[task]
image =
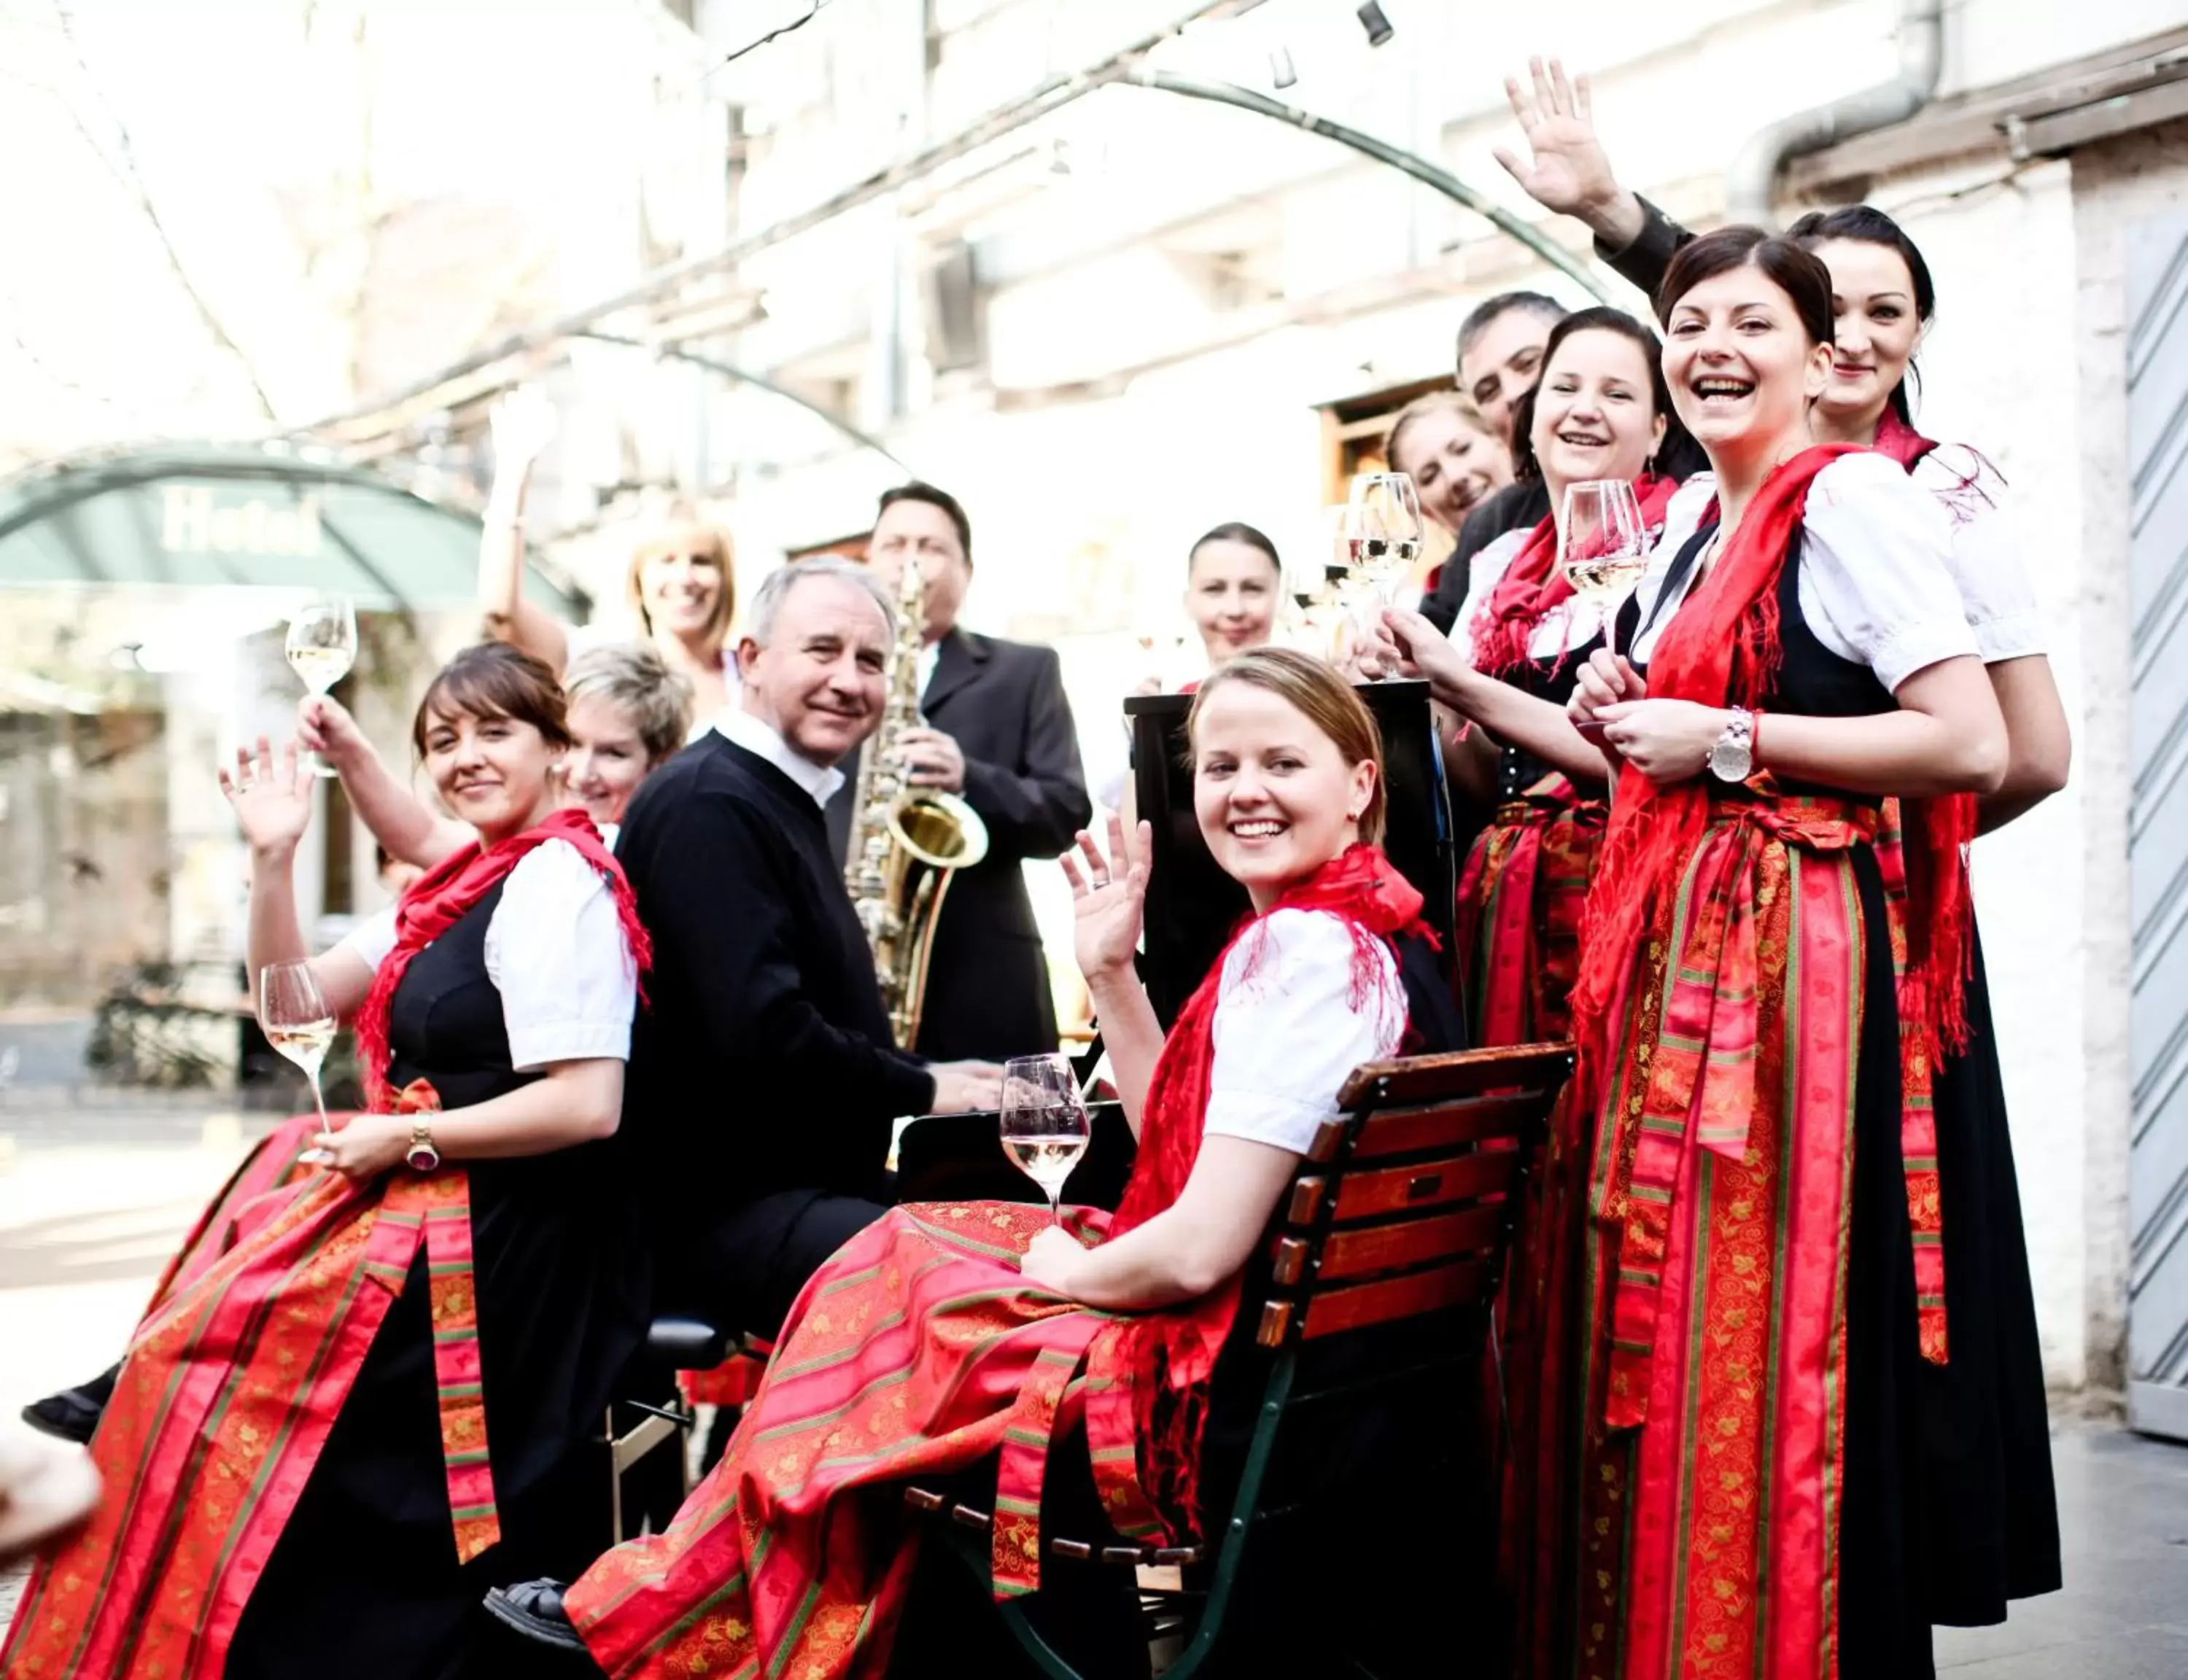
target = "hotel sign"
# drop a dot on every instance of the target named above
(191, 522)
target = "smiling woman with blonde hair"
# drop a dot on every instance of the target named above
(989, 1301)
(680, 585)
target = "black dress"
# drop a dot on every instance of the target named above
(363, 1581)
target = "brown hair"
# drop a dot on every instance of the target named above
(1797, 272)
(1458, 402)
(701, 540)
(495, 679)
(1323, 698)
(634, 678)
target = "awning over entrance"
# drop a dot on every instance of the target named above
(228, 517)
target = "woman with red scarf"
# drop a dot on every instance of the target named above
(1762, 1298)
(1600, 410)
(946, 1336)
(376, 1404)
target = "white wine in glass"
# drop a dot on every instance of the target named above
(1383, 534)
(322, 646)
(298, 1023)
(1603, 547)
(1044, 1125)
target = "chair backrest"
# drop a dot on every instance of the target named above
(1385, 1260)
(1404, 1204)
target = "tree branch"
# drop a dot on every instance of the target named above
(122, 159)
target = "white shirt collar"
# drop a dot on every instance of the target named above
(930, 654)
(741, 729)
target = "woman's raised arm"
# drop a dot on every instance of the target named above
(523, 423)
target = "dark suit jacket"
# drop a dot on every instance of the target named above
(762, 1062)
(987, 988)
(1644, 262)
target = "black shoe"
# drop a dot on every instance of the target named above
(534, 1609)
(72, 1415)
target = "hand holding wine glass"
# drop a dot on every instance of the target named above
(1044, 1122)
(298, 1023)
(322, 646)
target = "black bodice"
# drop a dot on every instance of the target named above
(1517, 769)
(445, 1023)
(1811, 681)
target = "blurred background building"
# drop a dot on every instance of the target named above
(963, 239)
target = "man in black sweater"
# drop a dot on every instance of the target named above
(763, 1078)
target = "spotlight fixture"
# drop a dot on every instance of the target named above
(1380, 28)
(1280, 68)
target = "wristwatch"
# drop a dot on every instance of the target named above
(1733, 758)
(421, 1156)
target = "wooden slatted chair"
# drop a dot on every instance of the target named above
(1384, 1260)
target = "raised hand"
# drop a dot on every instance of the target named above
(1569, 172)
(522, 423)
(273, 803)
(1109, 898)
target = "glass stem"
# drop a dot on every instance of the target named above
(318, 1102)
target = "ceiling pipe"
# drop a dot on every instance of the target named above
(1752, 181)
(1428, 174)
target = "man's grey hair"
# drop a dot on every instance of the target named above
(774, 588)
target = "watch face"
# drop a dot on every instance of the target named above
(1731, 761)
(423, 1157)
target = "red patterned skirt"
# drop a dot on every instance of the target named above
(1741, 1409)
(916, 1351)
(1518, 913)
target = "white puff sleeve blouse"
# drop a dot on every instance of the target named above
(1875, 582)
(1995, 588)
(1287, 1033)
(555, 951)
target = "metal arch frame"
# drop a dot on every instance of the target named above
(730, 371)
(1246, 100)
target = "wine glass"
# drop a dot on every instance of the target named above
(299, 1024)
(1603, 547)
(1044, 1122)
(322, 646)
(1383, 534)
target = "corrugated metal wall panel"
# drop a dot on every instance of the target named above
(2158, 450)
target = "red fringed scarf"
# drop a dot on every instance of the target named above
(1173, 1353)
(1938, 909)
(1722, 648)
(436, 901)
(1533, 584)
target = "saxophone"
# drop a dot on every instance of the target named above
(906, 843)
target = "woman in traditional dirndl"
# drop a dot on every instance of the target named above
(1761, 1302)
(324, 1449)
(946, 1336)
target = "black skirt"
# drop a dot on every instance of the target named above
(1991, 1514)
(364, 1578)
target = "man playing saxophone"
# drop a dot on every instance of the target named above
(997, 733)
(763, 1078)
